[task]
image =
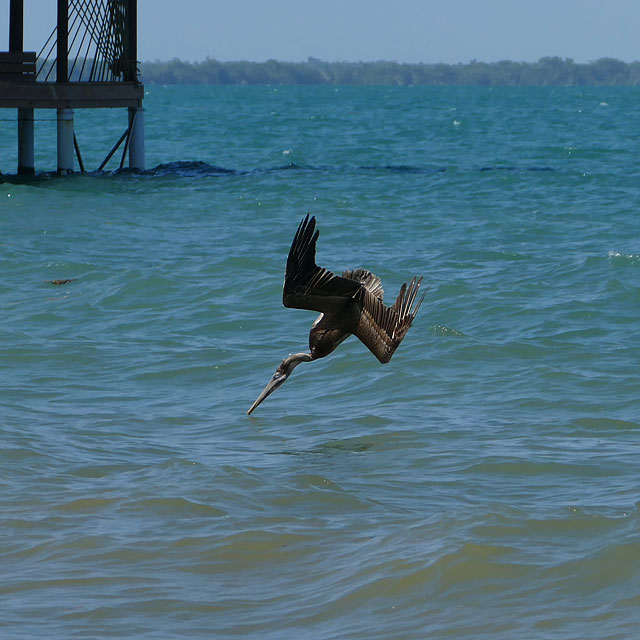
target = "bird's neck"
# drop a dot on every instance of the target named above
(294, 359)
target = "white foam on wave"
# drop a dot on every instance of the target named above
(631, 257)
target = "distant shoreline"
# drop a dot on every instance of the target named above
(550, 71)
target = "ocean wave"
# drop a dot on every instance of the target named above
(403, 168)
(515, 168)
(201, 169)
(187, 169)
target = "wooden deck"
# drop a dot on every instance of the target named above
(70, 95)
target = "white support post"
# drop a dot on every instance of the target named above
(136, 139)
(26, 162)
(65, 141)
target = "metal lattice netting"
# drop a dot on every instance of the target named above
(97, 43)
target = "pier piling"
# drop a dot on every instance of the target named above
(26, 141)
(136, 139)
(65, 141)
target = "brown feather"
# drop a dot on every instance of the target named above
(370, 281)
(383, 328)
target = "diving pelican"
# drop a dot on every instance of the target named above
(351, 304)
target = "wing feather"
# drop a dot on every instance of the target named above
(366, 278)
(383, 328)
(308, 286)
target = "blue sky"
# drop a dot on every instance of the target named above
(403, 30)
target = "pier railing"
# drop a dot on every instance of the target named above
(93, 41)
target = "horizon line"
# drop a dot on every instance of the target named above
(313, 59)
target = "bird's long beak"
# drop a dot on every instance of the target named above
(272, 385)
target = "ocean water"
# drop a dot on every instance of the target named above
(482, 485)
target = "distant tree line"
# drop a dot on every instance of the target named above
(546, 71)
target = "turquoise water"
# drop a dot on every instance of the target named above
(483, 484)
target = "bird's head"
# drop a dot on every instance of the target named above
(280, 375)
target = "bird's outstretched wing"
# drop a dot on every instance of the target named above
(308, 286)
(382, 328)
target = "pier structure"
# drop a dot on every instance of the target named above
(89, 61)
